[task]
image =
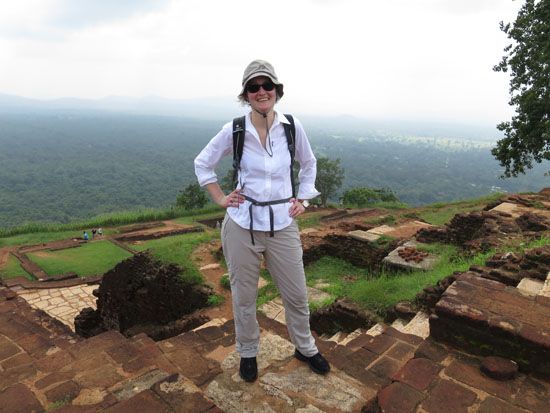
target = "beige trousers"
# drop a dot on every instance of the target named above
(283, 257)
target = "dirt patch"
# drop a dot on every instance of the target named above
(342, 315)
(141, 294)
(204, 256)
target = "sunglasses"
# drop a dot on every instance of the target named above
(255, 87)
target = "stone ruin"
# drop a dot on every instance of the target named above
(143, 295)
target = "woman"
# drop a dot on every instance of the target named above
(267, 227)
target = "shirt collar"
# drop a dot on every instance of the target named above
(279, 118)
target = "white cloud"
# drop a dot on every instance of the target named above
(410, 59)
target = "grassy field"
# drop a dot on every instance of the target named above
(178, 249)
(13, 269)
(94, 258)
(34, 238)
(440, 213)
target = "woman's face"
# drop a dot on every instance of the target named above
(262, 100)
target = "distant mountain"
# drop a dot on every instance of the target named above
(225, 108)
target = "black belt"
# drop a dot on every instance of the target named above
(254, 203)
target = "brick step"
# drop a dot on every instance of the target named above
(439, 379)
(486, 317)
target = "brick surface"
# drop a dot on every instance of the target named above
(179, 395)
(492, 405)
(7, 348)
(472, 376)
(401, 351)
(399, 398)
(53, 378)
(55, 361)
(418, 373)
(63, 392)
(448, 397)
(103, 376)
(211, 333)
(146, 401)
(124, 353)
(408, 338)
(19, 399)
(16, 361)
(431, 350)
(378, 344)
(385, 367)
(534, 395)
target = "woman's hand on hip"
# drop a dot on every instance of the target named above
(232, 200)
(296, 208)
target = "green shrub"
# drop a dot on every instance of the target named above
(225, 282)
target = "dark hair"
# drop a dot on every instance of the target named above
(244, 101)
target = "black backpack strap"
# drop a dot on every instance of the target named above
(290, 132)
(238, 144)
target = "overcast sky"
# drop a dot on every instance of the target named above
(408, 59)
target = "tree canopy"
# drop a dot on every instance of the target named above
(527, 135)
(363, 196)
(330, 176)
(192, 197)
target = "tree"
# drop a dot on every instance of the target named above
(527, 135)
(192, 197)
(226, 183)
(329, 178)
(361, 197)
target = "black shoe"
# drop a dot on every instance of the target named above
(317, 363)
(249, 369)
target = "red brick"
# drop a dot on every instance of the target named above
(431, 350)
(385, 367)
(53, 378)
(15, 361)
(37, 346)
(54, 362)
(103, 376)
(448, 397)
(211, 333)
(362, 357)
(124, 353)
(378, 344)
(418, 373)
(536, 335)
(399, 398)
(7, 348)
(19, 399)
(401, 351)
(16, 374)
(66, 391)
(408, 338)
(533, 395)
(471, 375)
(492, 405)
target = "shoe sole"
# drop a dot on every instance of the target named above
(303, 358)
(249, 380)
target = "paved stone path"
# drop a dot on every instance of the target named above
(63, 304)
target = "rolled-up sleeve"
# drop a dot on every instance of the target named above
(308, 164)
(207, 160)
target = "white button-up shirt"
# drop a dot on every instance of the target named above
(264, 178)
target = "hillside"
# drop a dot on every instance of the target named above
(60, 166)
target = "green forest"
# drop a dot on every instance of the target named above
(66, 165)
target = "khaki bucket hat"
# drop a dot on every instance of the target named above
(260, 68)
